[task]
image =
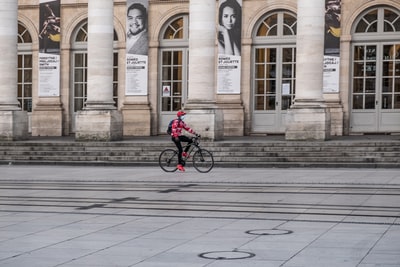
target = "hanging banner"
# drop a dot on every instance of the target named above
(49, 48)
(137, 46)
(332, 46)
(229, 46)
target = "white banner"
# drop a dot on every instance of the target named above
(229, 74)
(136, 75)
(49, 75)
(229, 46)
(137, 46)
(331, 74)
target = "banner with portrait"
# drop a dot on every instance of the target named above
(229, 39)
(332, 46)
(137, 47)
(49, 48)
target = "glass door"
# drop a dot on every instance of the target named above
(173, 84)
(375, 96)
(274, 87)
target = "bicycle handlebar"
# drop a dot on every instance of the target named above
(196, 138)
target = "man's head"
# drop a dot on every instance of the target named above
(137, 19)
(181, 114)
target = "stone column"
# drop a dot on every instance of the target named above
(309, 118)
(100, 120)
(203, 113)
(13, 121)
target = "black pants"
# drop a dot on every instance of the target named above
(178, 144)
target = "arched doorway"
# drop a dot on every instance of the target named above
(375, 83)
(25, 68)
(79, 71)
(274, 65)
(173, 69)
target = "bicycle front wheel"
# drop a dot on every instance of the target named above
(203, 160)
(168, 160)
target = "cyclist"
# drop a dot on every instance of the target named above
(178, 125)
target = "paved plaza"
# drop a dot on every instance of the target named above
(85, 216)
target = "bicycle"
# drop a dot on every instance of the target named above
(203, 160)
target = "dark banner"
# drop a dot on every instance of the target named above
(137, 46)
(332, 46)
(229, 46)
(49, 48)
(50, 31)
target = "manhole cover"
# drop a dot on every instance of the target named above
(269, 232)
(226, 255)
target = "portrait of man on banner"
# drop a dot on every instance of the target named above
(137, 47)
(50, 30)
(136, 25)
(229, 27)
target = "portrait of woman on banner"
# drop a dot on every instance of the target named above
(229, 27)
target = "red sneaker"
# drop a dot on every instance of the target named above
(185, 155)
(180, 167)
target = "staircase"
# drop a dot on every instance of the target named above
(359, 152)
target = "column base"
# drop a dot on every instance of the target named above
(98, 125)
(13, 125)
(336, 113)
(206, 121)
(233, 114)
(137, 119)
(47, 120)
(308, 122)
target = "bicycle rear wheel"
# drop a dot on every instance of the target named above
(203, 160)
(168, 160)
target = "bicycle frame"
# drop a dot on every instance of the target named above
(193, 147)
(202, 159)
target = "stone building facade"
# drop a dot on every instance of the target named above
(283, 72)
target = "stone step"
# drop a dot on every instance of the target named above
(214, 146)
(364, 153)
(218, 156)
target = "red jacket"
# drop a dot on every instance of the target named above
(177, 127)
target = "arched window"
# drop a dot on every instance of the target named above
(175, 30)
(79, 68)
(375, 88)
(274, 68)
(381, 20)
(278, 24)
(24, 68)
